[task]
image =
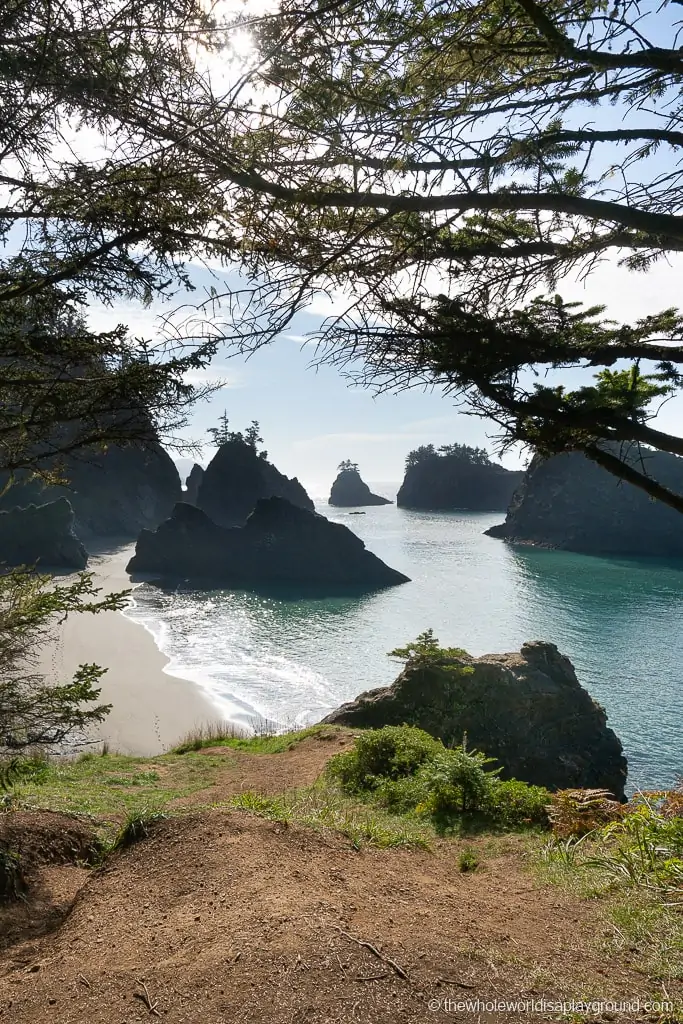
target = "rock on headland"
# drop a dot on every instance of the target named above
(42, 534)
(349, 490)
(451, 480)
(116, 492)
(192, 484)
(571, 503)
(527, 709)
(280, 543)
(237, 477)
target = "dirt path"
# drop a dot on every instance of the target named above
(226, 917)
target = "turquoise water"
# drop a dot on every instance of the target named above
(291, 661)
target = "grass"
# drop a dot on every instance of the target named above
(325, 806)
(221, 734)
(639, 922)
(112, 787)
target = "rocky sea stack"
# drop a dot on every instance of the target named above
(456, 477)
(349, 490)
(117, 492)
(42, 534)
(526, 709)
(571, 503)
(280, 543)
(237, 477)
(192, 484)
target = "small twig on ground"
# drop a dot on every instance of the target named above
(456, 981)
(84, 981)
(371, 977)
(147, 999)
(373, 949)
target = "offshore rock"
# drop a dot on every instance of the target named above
(192, 484)
(279, 544)
(447, 483)
(527, 709)
(349, 490)
(42, 534)
(571, 503)
(237, 477)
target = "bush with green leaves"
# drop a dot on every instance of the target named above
(458, 781)
(513, 803)
(408, 772)
(394, 752)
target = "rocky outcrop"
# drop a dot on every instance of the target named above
(237, 477)
(192, 484)
(42, 535)
(446, 482)
(117, 492)
(349, 490)
(526, 709)
(571, 503)
(279, 544)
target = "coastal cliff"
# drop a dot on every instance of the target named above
(527, 709)
(237, 478)
(571, 503)
(42, 535)
(349, 490)
(456, 477)
(280, 543)
(116, 492)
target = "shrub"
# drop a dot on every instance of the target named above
(402, 796)
(513, 803)
(394, 752)
(457, 782)
(467, 860)
(644, 849)
(576, 812)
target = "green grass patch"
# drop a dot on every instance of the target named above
(222, 735)
(112, 787)
(325, 806)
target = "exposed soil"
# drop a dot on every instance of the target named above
(270, 773)
(222, 917)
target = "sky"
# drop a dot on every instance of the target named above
(311, 419)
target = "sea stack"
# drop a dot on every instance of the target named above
(349, 490)
(41, 535)
(192, 484)
(237, 477)
(527, 709)
(280, 543)
(456, 477)
(568, 502)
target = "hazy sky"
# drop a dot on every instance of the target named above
(311, 419)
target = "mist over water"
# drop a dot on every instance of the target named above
(291, 661)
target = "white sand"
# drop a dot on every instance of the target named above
(151, 710)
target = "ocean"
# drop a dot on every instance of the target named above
(290, 661)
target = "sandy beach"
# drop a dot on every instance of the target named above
(151, 709)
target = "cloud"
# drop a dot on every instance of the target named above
(217, 374)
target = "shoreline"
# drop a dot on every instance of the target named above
(151, 709)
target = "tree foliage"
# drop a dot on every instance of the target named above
(457, 452)
(444, 165)
(35, 713)
(251, 437)
(347, 466)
